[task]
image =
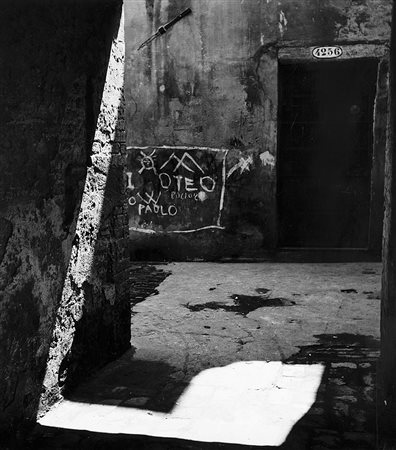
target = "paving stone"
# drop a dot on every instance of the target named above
(344, 365)
(174, 346)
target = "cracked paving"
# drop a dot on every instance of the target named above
(191, 321)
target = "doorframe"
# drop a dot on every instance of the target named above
(379, 52)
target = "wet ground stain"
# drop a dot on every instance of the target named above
(144, 281)
(243, 304)
(344, 413)
(337, 347)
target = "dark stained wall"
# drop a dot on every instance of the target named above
(212, 82)
(387, 386)
(54, 58)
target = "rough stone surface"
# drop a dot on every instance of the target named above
(94, 305)
(54, 62)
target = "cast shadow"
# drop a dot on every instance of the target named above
(343, 415)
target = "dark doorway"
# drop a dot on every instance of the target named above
(325, 153)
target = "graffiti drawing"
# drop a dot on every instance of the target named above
(147, 162)
(181, 162)
(243, 164)
(175, 189)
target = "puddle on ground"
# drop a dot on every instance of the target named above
(243, 304)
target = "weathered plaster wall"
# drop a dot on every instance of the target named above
(212, 81)
(54, 59)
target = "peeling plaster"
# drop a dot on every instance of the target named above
(267, 159)
(282, 23)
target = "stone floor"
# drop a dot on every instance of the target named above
(236, 356)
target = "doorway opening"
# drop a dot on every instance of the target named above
(325, 153)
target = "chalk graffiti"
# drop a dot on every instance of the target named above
(180, 182)
(147, 162)
(161, 210)
(150, 205)
(243, 164)
(184, 195)
(181, 162)
(130, 185)
(175, 189)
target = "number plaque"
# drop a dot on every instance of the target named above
(326, 52)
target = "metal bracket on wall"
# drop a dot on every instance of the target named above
(164, 28)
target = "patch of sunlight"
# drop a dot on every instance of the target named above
(248, 403)
(80, 264)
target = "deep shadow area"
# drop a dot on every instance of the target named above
(144, 378)
(344, 413)
(133, 383)
(164, 248)
(325, 151)
(45, 438)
